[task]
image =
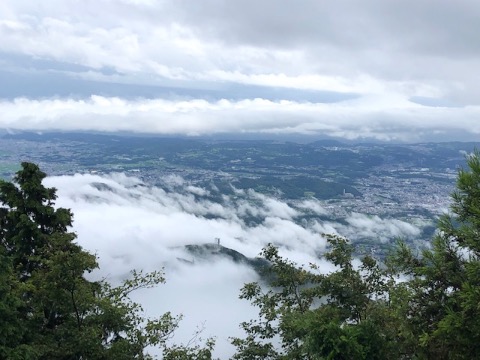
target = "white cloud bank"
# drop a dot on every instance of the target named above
(383, 119)
(391, 56)
(130, 225)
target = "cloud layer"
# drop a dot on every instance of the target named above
(381, 119)
(131, 225)
(384, 70)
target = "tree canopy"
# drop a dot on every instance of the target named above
(412, 306)
(48, 308)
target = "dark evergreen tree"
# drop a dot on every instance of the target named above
(422, 306)
(28, 219)
(48, 309)
(444, 282)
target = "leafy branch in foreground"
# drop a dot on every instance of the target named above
(305, 314)
(415, 306)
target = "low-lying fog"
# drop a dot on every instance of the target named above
(131, 225)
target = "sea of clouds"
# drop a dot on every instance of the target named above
(129, 225)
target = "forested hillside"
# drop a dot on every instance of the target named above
(411, 306)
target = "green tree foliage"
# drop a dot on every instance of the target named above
(415, 306)
(12, 329)
(342, 315)
(48, 309)
(444, 282)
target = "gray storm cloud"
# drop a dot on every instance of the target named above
(131, 225)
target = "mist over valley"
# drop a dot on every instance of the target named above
(203, 210)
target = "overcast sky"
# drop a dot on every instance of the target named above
(388, 70)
